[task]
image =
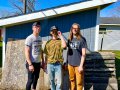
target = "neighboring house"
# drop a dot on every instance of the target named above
(110, 32)
(86, 13)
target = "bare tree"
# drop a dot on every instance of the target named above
(116, 10)
(5, 13)
(18, 5)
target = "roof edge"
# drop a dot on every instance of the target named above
(110, 24)
(54, 12)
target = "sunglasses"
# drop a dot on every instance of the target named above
(75, 28)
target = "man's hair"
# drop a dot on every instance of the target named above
(36, 24)
(78, 35)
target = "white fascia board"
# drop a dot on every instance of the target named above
(55, 11)
(49, 12)
(83, 5)
(109, 24)
(21, 18)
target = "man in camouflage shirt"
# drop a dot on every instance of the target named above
(54, 58)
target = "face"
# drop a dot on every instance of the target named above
(36, 29)
(75, 29)
(54, 33)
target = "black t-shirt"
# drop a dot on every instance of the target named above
(75, 51)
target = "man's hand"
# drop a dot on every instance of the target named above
(31, 68)
(45, 67)
(59, 34)
(80, 69)
(65, 67)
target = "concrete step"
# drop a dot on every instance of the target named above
(100, 79)
(100, 66)
(100, 86)
(100, 69)
(102, 74)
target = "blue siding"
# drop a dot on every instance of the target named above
(19, 31)
(86, 19)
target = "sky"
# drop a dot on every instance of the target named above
(43, 4)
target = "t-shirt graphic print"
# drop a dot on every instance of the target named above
(37, 45)
(74, 44)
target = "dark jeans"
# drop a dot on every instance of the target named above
(33, 76)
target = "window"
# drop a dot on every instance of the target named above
(102, 31)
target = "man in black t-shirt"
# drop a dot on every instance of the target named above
(76, 57)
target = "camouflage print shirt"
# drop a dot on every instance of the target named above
(54, 51)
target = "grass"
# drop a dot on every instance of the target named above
(0, 44)
(117, 64)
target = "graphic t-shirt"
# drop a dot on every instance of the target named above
(54, 51)
(75, 51)
(35, 44)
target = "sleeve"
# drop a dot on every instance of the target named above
(45, 49)
(28, 42)
(83, 43)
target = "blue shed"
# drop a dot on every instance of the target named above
(85, 13)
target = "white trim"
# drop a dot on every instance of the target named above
(109, 24)
(52, 12)
(97, 30)
(3, 46)
(49, 12)
(22, 18)
(83, 5)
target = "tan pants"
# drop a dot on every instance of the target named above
(76, 78)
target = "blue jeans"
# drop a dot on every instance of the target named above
(55, 75)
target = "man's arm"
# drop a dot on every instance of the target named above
(42, 58)
(27, 55)
(45, 51)
(82, 60)
(83, 57)
(62, 40)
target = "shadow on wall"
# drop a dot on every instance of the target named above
(100, 71)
